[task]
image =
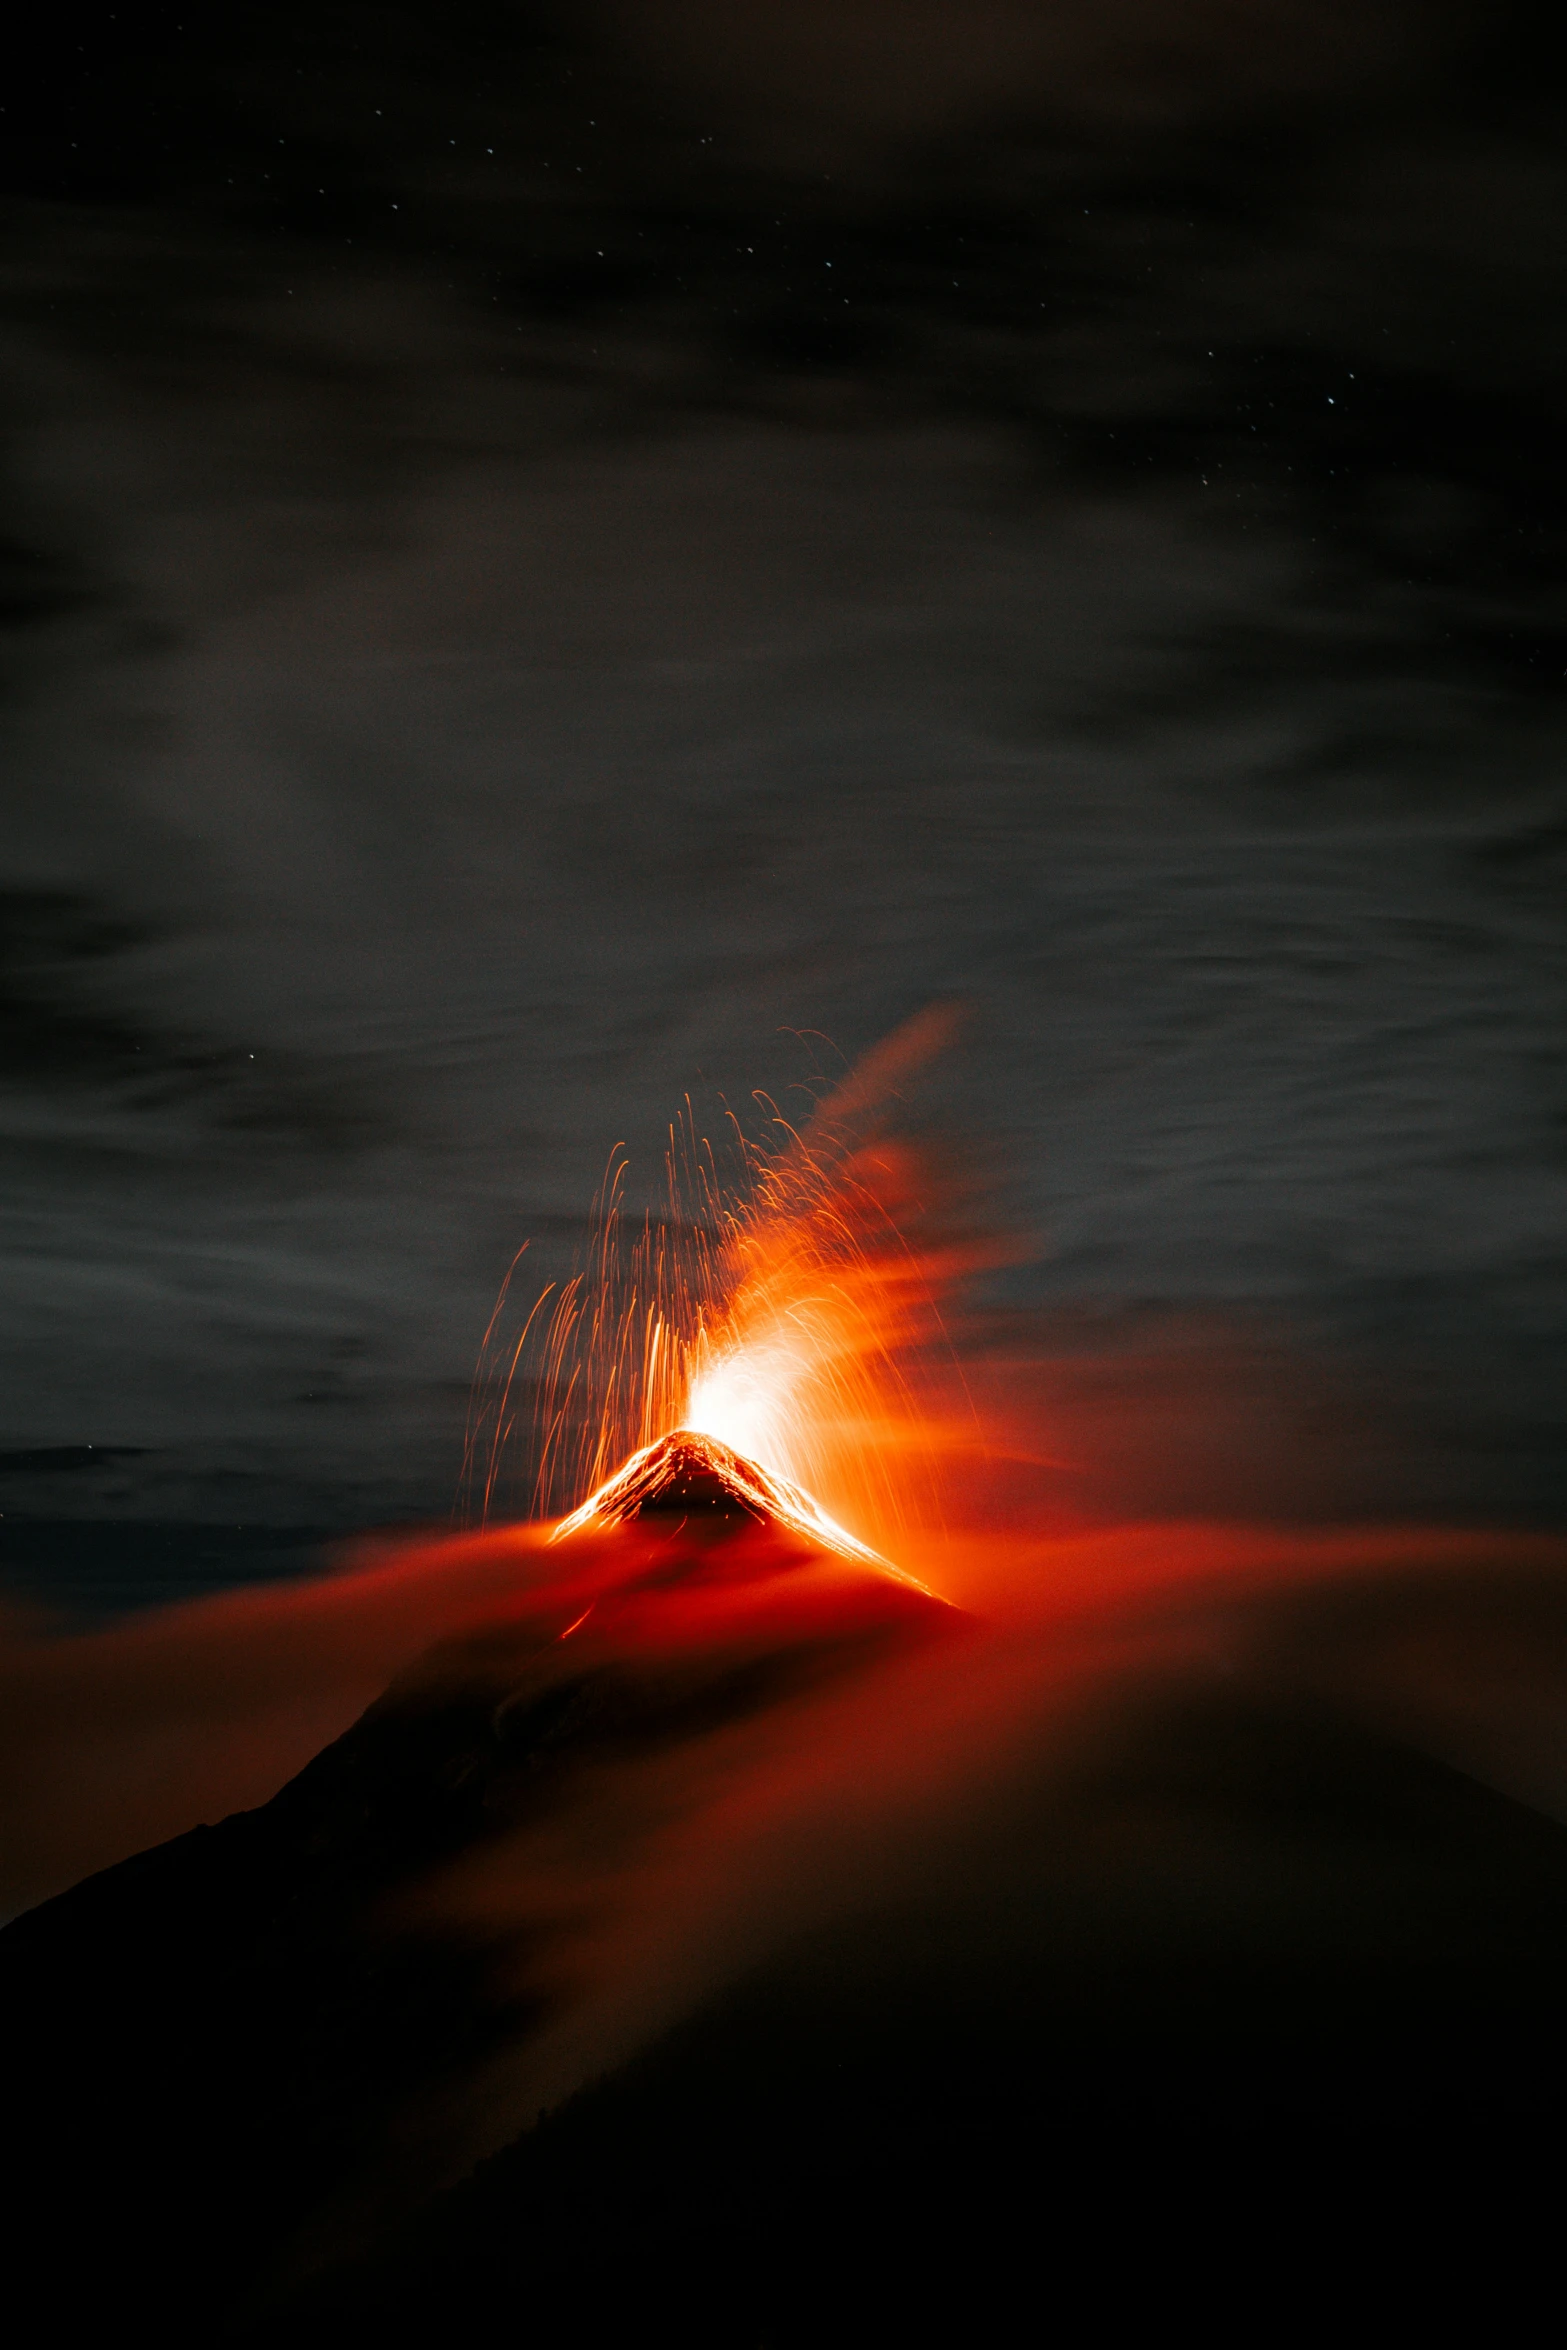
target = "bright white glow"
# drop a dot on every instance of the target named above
(744, 1398)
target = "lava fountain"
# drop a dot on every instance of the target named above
(769, 1314)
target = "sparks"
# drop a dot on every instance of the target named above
(767, 1311)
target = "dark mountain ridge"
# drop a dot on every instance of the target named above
(1240, 2007)
(215, 2039)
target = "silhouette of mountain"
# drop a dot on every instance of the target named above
(217, 2040)
(1241, 2003)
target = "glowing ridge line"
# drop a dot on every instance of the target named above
(773, 1498)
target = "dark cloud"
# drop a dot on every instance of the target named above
(847, 84)
(532, 577)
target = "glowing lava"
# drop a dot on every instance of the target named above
(693, 1477)
(769, 1311)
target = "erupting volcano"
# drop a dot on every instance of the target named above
(478, 1895)
(769, 1311)
(740, 1895)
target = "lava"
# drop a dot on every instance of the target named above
(704, 1484)
(775, 1309)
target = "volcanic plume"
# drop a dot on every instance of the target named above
(779, 1300)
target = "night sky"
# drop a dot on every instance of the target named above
(558, 557)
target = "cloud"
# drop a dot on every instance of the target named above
(847, 86)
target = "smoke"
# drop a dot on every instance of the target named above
(863, 1759)
(1135, 1744)
(117, 1739)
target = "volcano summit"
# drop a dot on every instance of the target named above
(699, 1481)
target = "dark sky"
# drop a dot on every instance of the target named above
(547, 547)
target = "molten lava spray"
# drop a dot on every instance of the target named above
(780, 1305)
